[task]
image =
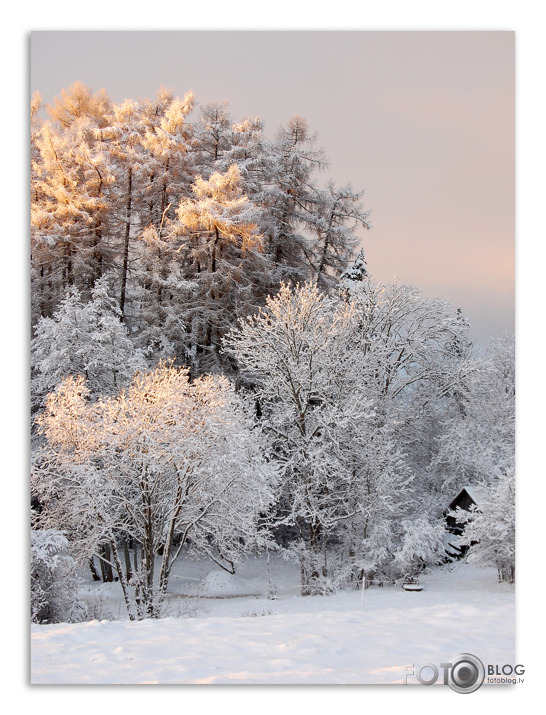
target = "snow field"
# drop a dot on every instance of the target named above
(338, 639)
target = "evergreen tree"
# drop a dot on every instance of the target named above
(357, 271)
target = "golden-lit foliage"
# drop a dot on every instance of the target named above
(221, 207)
(193, 221)
(167, 136)
(78, 102)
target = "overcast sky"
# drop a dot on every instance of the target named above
(422, 121)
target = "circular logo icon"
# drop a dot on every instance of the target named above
(467, 673)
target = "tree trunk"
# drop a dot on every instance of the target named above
(93, 569)
(125, 265)
(122, 581)
(105, 565)
(214, 250)
(127, 558)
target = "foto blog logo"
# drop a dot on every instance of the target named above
(464, 673)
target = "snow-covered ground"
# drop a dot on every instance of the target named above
(228, 631)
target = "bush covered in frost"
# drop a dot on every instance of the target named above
(53, 580)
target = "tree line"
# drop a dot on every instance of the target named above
(193, 220)
(215, 372)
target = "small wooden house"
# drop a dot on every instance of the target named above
(467, 498)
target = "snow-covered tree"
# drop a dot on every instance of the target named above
(286, 197)
(165, 466)
(357, 271)
(219, 213)
(336, 379)
(166, 142)
(422, 544)
(162, 290)
(295, 351)
(403, 336)
(53, 579)
(70, 207)
(211, 139)
(478, 443)
(247, 150)
(221, 244)
(132, 190)
(404, 349)
(336, 215)
(123, 141)
(490, 529)
(380, 496)
(85, 339)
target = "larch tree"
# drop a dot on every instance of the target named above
(290, 161)
(247, 151)
(221, 244)
(123, 141)
(334, 220)
(108, 181)
(70, 209)
(211, 139)
(166, 141)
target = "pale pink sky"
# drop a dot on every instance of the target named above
(423, 121)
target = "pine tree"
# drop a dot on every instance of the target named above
(357, 271)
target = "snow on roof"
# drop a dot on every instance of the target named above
(476, 492)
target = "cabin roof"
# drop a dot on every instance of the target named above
(475, 492)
